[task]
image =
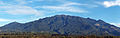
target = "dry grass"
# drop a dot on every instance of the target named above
(50, 36)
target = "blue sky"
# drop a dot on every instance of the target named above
(29, 10)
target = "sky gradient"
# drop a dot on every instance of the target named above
(29, 10)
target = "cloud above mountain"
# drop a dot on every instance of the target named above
(17, 10)
(67, 7)
(4, 20)
(111, 3)
(116, 24)
(21, 7)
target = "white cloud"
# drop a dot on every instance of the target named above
(117, 0)
(38, 0)
(21, 1)
(19, 10)
(73, 3)
(4, 20)
(116, 24)
(111, 3)
(62, 8)
(67, 7)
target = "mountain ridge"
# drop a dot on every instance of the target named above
(64, 24)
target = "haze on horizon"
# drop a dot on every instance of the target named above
(28, 10)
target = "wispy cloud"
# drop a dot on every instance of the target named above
(116, 24)
(21, 1)
(64, 9)
(4, 20)
(22, 9)
(1, 3)
(11, 20)
(67, 7)
(16, 10)
(38, 0)
(111, 3)
(73, 3)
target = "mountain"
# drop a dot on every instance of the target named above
(64, 24)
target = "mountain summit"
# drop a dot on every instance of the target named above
(65, 24)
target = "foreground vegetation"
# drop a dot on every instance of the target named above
(45, 36)
(37, 35)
